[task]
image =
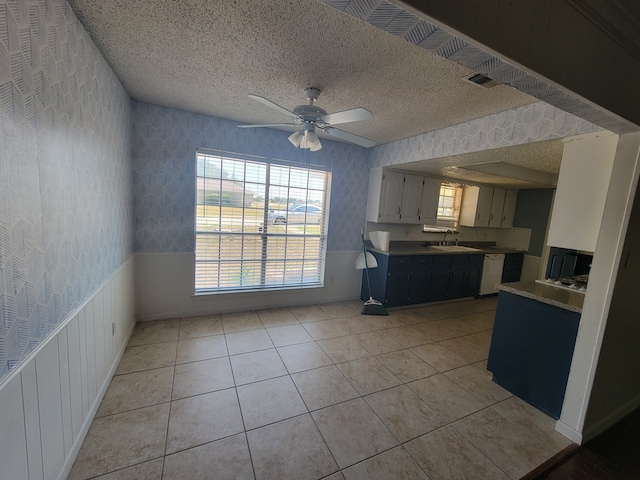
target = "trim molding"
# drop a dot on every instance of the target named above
(54, 333)
(614, 20)
(592, 431)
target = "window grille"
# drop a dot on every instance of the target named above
(259, 224)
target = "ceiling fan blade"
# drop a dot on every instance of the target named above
(275, 106)
(269, 125)
(349, 137)
(346, 116)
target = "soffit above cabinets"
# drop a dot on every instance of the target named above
(532, 165)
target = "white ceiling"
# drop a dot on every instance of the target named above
(206, 57)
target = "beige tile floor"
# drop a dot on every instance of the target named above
(317, 392)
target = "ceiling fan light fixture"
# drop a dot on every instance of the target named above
(312, 140)
(309, 117)
(296, 138)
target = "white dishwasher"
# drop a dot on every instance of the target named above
(491, 272)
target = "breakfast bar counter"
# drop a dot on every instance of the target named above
(557, 297)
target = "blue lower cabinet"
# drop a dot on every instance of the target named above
(413, 279)
(464, 277)
(398, 281)
(439, 279)
(531, 350)
(420, 274)
(512, 269)
(474, 275)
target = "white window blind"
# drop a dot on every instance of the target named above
(449, 205)
(258, 224)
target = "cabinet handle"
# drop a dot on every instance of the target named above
(491, 217)
(398, 210)
(418, 212)
(478, 216)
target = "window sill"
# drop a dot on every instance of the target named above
(204, 295)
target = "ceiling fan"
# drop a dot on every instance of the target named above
(308, 117)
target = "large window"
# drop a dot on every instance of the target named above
(258, 224)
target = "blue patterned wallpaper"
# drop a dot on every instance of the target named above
(65, 174)
(165, 141)
(164, 147)
(535, 122)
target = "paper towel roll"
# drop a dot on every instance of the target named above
(380, 240)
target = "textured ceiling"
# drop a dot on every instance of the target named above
(206, 57)
(530, 165)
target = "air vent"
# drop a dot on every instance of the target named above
(481, 80)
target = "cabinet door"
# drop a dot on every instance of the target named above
(509, 209)
(473, 276)
(438, 280)
(398, 278)
(430, 198)
(512, 269)
(420, 272)
(411, 199)
(476, 206)
(455, 287)
(391, 197)
(483, 208)
(497, 205)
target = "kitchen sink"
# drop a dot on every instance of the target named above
(455, 248)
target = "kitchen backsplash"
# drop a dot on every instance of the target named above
(517, 238)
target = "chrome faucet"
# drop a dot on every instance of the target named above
(444, 237)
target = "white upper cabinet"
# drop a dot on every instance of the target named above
(411, 199)
(430, 198)
(487, 207)
(509, 210)
(497, 204)
(399, 197)
(476, 206)
(389, 200)
(581, 193)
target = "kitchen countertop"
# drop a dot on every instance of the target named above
(417, 248)
(548, 294)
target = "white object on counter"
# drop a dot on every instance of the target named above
(491, 273)
(380, 240)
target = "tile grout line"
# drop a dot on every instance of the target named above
(334, 363)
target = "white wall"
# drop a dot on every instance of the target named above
(48, 403)
(593, 323)
(616, 385)
(164, 284)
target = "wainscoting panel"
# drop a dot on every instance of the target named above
(48, 404)
(13, 455)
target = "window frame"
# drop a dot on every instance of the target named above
(277, 270)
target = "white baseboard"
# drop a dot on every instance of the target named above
(165, 288)
(592, 431)
(569, 432)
